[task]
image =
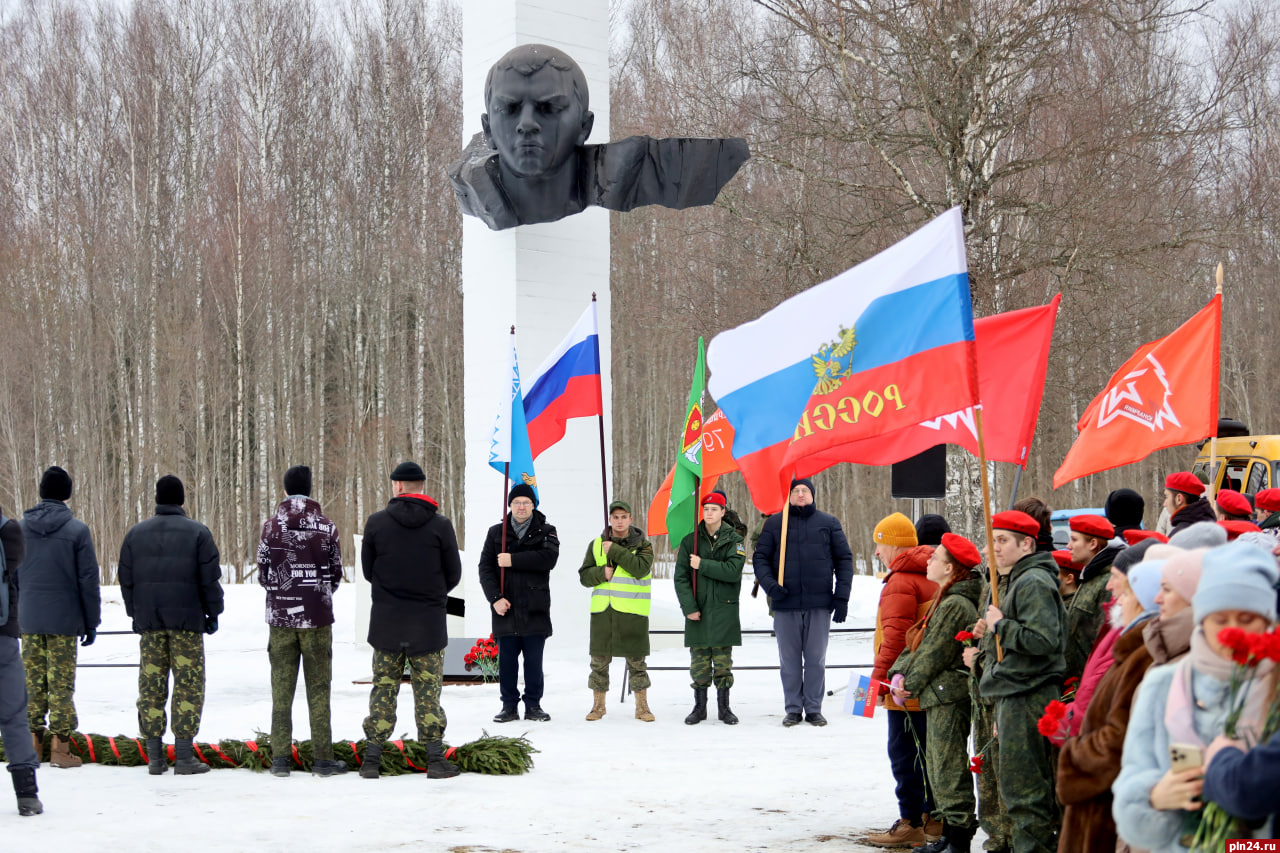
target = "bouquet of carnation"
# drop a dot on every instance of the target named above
(1247, 651)
(1054, 723)
(484, 656)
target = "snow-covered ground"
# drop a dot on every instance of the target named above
(616, 784)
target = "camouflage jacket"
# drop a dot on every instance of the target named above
(1033, 632)
(719, 587)
(934, 673)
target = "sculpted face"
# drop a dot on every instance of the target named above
(535, 121)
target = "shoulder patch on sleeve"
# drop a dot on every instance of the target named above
(742, 550)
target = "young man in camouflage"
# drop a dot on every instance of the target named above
(169, 578)
(300, 567)
(1090, 544)
(1030, 627)
(712, 627)
(410, 557)
(60, 602)
(617, 568)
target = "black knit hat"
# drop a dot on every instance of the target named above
(409, 472)
(55, 484)
(929, 529)
(1124, 508)
(169, 491)
(297, 481)
(522, 490)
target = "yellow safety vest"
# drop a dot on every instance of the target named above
(626, 593)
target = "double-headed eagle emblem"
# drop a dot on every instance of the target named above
(833, 362)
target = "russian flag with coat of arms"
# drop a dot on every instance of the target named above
(880, 347)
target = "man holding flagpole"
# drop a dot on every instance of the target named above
(805, 603)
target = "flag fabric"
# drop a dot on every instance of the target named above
(683, 508)
(567, 384)
(1165, 395)
(882, 346)
(509, 444)
(860, 697)
(717, 459)
(1013, 355)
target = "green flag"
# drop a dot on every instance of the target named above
(683, 509)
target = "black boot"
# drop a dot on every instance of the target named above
(958, 838)
(439, 767)
(726, 713)
(185, 762)
(24, 785)
(157, 763)
(699, 712)
(281, 765)
(371, 768)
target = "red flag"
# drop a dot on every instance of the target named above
(1013, 354)
(717, 441)
(1165, 395)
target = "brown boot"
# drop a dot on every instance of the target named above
(597, 706)
(642, 707)
(932, 828)
(901, 834)
(60, 754)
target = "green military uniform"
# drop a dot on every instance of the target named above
(182, 653)
(1033, 634)
(992, 815)
(315, 647)
(935, 675)
(620, 607)
(1085, 614)
(711, 638)
(425, 677)
(49, 661)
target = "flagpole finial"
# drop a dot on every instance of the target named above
(1218, 279)
(513, 329)
(593, 296)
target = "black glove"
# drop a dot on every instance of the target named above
(89, 637)
(778, 593)
(840, 610)
(211, 625)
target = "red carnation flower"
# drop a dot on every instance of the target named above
(975, 764)
(965, 636)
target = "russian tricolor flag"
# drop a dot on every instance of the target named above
(860, 697)
(567, 385)
(882, 346)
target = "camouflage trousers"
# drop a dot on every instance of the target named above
(314, 648)
(637, 673)
(179, 652)
(426, 676)
(946, 761)
(992, 816)
(50, 662)
(711, 665)
(1026, 771)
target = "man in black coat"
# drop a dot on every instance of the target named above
(169, 578)
(60, 603)
(14, 731)
(410, 557)
(515, 574)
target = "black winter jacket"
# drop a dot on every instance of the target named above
(59, 575)
(15, 547)
(169, 573)
(817, 551)
(528, 580)
(410, 556)
(1196, 511)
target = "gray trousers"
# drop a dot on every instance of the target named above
(14, 728)
(802, 655)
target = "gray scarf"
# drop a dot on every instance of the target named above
(521, 528)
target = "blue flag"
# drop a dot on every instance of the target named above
(509, 444)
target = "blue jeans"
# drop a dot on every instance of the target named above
(14, 728)
(907, 762)
(510, 648)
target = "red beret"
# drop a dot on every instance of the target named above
(1235, 528)
(1268, 500)
(1184, 481)
(1017, 521)
(1134, 536)
(1234, 503)
(961, 550)
(1063, 559)
(1093, 525)
(715, 498)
